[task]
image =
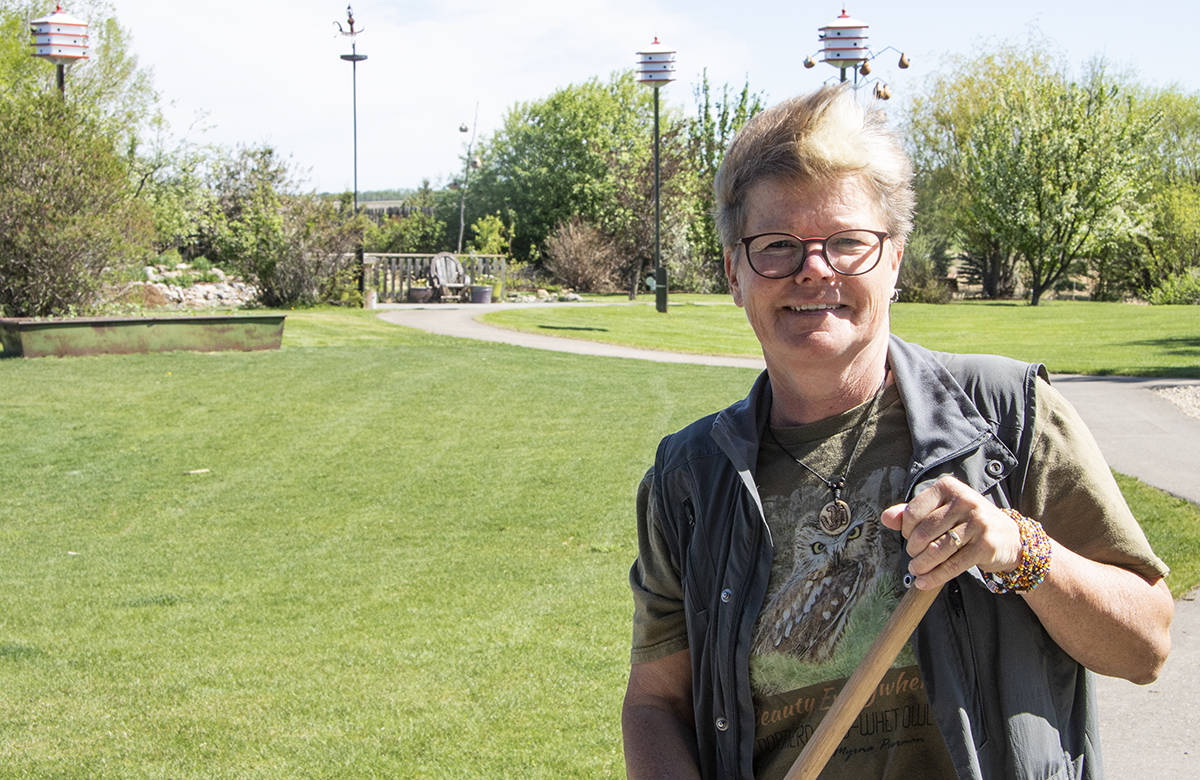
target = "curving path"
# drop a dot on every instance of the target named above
(1144, 728)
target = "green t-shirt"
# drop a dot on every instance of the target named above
(835, 581)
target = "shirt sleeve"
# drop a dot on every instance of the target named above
(1071, 491)
(659, 625)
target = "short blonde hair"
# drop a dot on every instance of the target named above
(815, 138)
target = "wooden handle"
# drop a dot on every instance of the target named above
(858, 689)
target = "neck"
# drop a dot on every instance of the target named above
(814, 393)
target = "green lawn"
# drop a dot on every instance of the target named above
(374, 552)
(1075, 337)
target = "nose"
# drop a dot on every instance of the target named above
(813, 263)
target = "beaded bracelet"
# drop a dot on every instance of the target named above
(1033, 563)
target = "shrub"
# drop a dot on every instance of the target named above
(490, 235)
(580, 256)
(295, 248)
(922, 273)
(1181, 288)
(66, 210)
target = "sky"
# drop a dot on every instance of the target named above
(269, 71)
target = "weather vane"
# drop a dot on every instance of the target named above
(352, 32)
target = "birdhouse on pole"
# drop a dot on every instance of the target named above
(61, 39)
(656, 65)
(844, 43)
(844, 46)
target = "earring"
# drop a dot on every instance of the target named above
(895, 294)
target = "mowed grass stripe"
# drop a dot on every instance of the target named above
(1074, 337)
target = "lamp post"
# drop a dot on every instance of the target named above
(472, 162)
(656, 67)
(60, 39)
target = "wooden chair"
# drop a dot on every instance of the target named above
(446, 277)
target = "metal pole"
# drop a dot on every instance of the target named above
(660, 273)
(62, 79)
(354, 111)
(462, 198)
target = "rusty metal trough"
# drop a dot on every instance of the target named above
(127, 335)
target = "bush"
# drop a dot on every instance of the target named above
(1181, 288)
(490, 235)
(66, 210)
(295, 248)
(580, 256)
(922, 273)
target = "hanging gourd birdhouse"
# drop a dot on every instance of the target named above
(59, 38)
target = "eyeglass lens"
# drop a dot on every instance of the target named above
(848, 252)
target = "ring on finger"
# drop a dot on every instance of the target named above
(954, 537)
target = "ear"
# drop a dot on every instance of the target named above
(731, 272)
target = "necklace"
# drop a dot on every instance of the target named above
(835, 515)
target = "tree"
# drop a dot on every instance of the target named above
(294, 246)
(1054, 173)
(67, 213)
(551, 159)
(709, 132)
(1170, 248)
(942, 118)
(1026, 170)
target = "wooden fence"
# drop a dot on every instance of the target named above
(392, 275)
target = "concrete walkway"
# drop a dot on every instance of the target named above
(1144, 729)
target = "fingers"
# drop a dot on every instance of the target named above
(943, 559)
(949, 527)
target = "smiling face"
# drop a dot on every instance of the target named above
(816, 319)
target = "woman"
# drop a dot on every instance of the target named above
(776, 536)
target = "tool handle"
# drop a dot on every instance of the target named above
(849, 702)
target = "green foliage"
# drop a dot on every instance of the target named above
(421, 231)
(1172, 245)
(108, 86)
(490, 235)
(1178, 288)
(923, 272)
(942, 118)
(1055, 172)
(716, 122)
(297, 248)
(171, 180)
(564, 156)
(587, 151)
(66, 210)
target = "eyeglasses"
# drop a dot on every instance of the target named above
(847, 252)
